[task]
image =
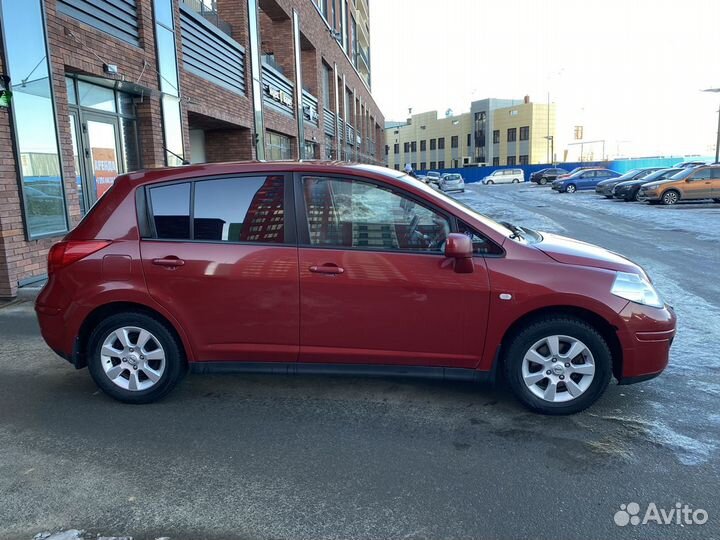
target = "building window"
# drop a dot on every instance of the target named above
(496, 162)
(413, 166)
(423, 146)
(441, 143)
(496, 136)
(329, 147)
(441, 164)
(279, 147)
(524, 133)
(413, 146)
(433, 144)
(524, 160)
(433, 165)
(396, 148)
(43, 193)
(326, 78)
(397, 166)
(511, 160)
(406, 147)
(511, 134)
(468, 139)
(454, 141)
(387, 149)
(423, 165)
(310, 150)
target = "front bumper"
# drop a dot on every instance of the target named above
(645, 339)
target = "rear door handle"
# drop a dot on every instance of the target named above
(169, 262)
(327, 268)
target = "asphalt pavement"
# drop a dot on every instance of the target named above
(261, 457)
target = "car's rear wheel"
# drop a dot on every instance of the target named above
(670, 197)
(571, 188)
(135, 358)
(515, 181)
(560, 365)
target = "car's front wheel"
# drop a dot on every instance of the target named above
(571, 188)
(560, 365)
(670, 197)
(135, 358)
(543, 181)
(489, 182)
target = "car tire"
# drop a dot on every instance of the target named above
(515, 181)
(571, 188)
(543, 181)
(670, 197)
(489, 182)
(716, 200)
(529, 357)
(131, 376)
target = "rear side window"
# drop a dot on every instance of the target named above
(249, 209)
(171, 211)
(241, 209)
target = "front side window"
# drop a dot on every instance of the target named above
(481, 244)
(249, 209)
(355, 214)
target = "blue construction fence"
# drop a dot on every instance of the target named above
(475, 174)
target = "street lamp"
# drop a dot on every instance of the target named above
(551, 138)
(717, 143)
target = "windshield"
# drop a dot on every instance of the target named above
(683, 173)
(433, 174)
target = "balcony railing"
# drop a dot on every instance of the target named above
(277, 90)
(208, 9)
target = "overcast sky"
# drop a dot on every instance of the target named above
(630, 71)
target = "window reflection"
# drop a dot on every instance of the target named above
(34, 117)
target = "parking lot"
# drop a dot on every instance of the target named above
(244, 456)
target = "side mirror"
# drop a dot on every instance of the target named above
(459, 247)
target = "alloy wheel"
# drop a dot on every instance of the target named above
(571, 188)
(133, 358)
(558, 368)
(670, 197)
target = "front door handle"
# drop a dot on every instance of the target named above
(169, 262)
(327, 268)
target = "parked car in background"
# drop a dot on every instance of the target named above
(545, 176)
(689, 164)
(433, 177)
(606, 186)
(505, 176)
(575, 170)
(583, 179)
(702, 182)
(452, 182)
(199, 268)
(628, 190)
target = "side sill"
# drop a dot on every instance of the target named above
(346, 370)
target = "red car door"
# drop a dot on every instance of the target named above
(375, 287)
(225, 266)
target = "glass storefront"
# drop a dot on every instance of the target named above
(43, 194)
(104, 137)
(168, 75)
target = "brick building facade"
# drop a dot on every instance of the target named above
(103, 87)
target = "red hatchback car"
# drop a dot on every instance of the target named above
(336, 268)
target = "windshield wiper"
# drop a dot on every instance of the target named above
(517, 232)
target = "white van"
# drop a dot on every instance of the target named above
(505, 176)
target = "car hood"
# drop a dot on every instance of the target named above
(658, 183)
(568, 251)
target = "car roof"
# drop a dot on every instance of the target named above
(148, 176)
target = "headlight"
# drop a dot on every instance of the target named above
(636, 288)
